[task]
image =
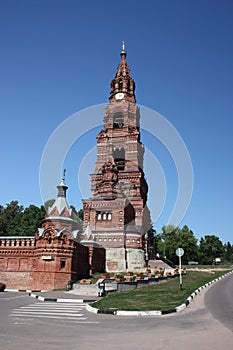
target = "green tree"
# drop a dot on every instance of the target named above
(17, 221)
(210, 248)
(151, 239)
(2, 228)
(188, 242)
(228, 252)
(10, 219)
(78, 216)
(166, 242)
(173, 237)
(31, 220)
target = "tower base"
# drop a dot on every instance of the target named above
(121, 259)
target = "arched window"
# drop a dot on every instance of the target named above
(104, 216)
(119, 158)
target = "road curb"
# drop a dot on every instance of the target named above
(61, 300)
(57, 300)
(26, 290)
(156, 312)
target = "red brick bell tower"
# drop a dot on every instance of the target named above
(116, 213)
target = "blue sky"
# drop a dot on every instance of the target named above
(58, 57)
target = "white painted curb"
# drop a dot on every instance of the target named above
(91, 309)
(138, 313)
(70, 300)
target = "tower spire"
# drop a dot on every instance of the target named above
(122, 86)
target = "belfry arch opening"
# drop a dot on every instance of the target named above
(118, 120)
(119, 158)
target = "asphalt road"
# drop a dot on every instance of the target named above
(219, 301)
(26, 323)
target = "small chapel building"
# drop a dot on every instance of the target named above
(53, 257)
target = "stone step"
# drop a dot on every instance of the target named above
(85, 289)
(157, 264)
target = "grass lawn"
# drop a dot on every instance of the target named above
(161, 296)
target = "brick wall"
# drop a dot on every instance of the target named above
(29, 263)
(17, 261)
